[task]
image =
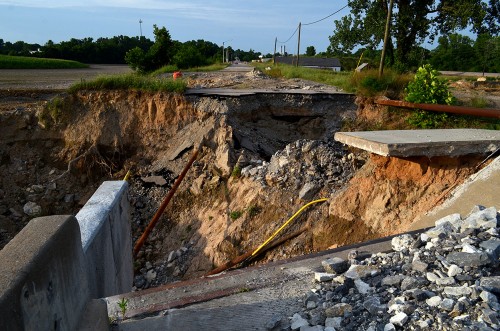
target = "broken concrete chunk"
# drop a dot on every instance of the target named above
(308, 191)
(156, 180)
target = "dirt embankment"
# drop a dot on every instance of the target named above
(389, 193)
(284, 159)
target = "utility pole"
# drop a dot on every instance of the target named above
(274, 55)
(386, 38)
(140, 26)
(224, 50)
(298, 45)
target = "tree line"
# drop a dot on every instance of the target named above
(140, 53)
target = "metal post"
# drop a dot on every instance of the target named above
(274, 55)
(140, 26)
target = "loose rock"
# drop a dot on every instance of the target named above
(443, 279)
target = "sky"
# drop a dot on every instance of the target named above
(242, 25)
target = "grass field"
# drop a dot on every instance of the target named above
(23, 62)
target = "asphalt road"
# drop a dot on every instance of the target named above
(469, 74)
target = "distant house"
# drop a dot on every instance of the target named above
(312, 62)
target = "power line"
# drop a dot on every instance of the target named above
(284, 42)
(324, 18)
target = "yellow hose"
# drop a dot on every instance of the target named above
(127, 176)
(286, 223)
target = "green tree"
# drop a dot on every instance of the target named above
(454, 52)
(162, 51)
(492, 19)
(310, 51)
(412, 22)
(188, 56)
(487, 53)
(159, 54)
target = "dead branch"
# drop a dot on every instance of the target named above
(71, 164)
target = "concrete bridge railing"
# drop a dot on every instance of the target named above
(57, 264)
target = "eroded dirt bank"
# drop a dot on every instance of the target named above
(262, 158)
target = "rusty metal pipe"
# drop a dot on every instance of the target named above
(164, 204)
(483, 112)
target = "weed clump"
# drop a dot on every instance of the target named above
(236, 173)
(235, 214)
(369, 84)
(253, 210)
(52, 113)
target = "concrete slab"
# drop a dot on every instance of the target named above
(406, 143)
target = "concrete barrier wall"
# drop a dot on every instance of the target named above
(43, 276)
(57, 264)
(107, 241)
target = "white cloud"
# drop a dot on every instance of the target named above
(196, 6)
(198, 9)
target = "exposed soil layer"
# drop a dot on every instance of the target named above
(219, 212)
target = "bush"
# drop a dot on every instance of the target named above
(428, 88)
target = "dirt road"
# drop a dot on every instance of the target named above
(49, 79)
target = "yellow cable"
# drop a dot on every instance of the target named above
(286, 223)
(359, 61)
(127, 176)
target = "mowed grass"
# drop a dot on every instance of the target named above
(24, 62)
(131, 81)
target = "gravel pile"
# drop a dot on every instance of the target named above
(447, 278)
(306, 166)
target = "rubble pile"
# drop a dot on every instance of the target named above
(446, 278)
(306, 166)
